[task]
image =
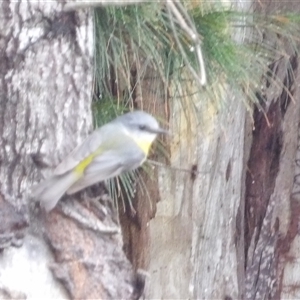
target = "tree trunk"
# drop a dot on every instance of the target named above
(228, 229)
(45, 99)
(271, 203)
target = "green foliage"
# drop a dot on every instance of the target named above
(106, 110)
(131, 40)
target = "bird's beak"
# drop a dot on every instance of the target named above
(158, 130)
(162, 131)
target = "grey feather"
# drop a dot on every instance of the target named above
(51, 190)
(97, 139)
(107, 166)
(93, 178)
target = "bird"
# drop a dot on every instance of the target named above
(116, 147)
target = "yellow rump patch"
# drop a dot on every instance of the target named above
(80, 168)
(83, 164)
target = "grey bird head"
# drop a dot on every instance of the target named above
(142, 122)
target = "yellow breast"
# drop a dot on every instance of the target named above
(145, 145)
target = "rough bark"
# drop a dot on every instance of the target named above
(193, 237)
(45, 99)
(149, 95)
(272, 204)
(192, 246)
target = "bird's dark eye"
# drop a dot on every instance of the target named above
(142, 127)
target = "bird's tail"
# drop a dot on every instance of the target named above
(51, 190)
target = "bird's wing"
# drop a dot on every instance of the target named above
(108, 165)
(100, 138)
